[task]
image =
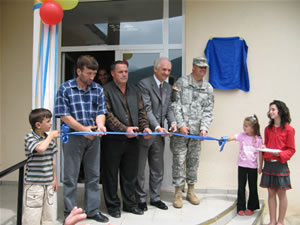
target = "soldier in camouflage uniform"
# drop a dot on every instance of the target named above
(192, 104)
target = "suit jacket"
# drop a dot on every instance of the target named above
(158, 108)
(120, 113)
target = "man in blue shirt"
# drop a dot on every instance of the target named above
(80, 103)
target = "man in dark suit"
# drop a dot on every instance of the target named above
(125, 113)
(157, 102)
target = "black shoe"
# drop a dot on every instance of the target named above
(99, 217)
(134, 210)
(159, 204)
(143, 206)
(116, 213)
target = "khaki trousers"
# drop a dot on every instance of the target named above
(39, 206)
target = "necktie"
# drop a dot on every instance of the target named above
(161, 89)
(161, 113)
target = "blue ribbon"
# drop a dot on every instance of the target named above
(65, 135)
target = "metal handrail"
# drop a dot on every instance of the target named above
(12, 168)
(19, 166)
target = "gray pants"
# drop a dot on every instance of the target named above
(186, 154)
(153, 151)
(76, 150)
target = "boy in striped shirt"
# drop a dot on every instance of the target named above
(40, 174)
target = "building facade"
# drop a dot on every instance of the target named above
(270, 28)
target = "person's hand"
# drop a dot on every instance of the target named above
(184, 130)
(101, 129)
(275, 154)
(147, 130)
(131, 130)
(203, 133)
(173, 128)
(55, 185)
(75, 216)
(259, 170)
(54, 134)
(162, 130)
(89, 129)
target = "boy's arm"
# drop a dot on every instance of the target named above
(42, 147)
(54, 175)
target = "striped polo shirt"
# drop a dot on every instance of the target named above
(39, 168)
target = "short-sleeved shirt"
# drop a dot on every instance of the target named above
(83, 105)
(248, 150)
(39, 168)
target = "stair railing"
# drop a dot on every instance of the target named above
(19, 166)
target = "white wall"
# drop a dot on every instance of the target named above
(271, 30)
(15, 75)
(0, 81)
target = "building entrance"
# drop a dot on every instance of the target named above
(104, 58)
(135, 31)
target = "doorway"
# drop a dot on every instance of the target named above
(140, 65)
(104, 58)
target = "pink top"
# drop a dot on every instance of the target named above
(248, 154)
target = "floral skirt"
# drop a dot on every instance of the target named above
(275, 175)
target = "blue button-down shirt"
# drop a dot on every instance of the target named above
(83, 106)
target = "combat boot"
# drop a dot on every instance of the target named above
(177, 203)
(191, 196)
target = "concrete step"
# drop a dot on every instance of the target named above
(255, 219)
(217, 207)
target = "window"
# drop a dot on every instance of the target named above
(127, 26)
(175, 22)
(114, 23)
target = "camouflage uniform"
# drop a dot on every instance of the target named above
(193, 104)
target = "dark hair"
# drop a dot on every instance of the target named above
(113, 65)
(37, 115)
(253, 120)
(88, 61)
(101, 68)
(283, 112)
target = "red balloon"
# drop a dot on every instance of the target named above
(51, 12)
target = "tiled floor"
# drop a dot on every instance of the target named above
(216, 204)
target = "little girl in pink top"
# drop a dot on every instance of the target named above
(248, 164)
